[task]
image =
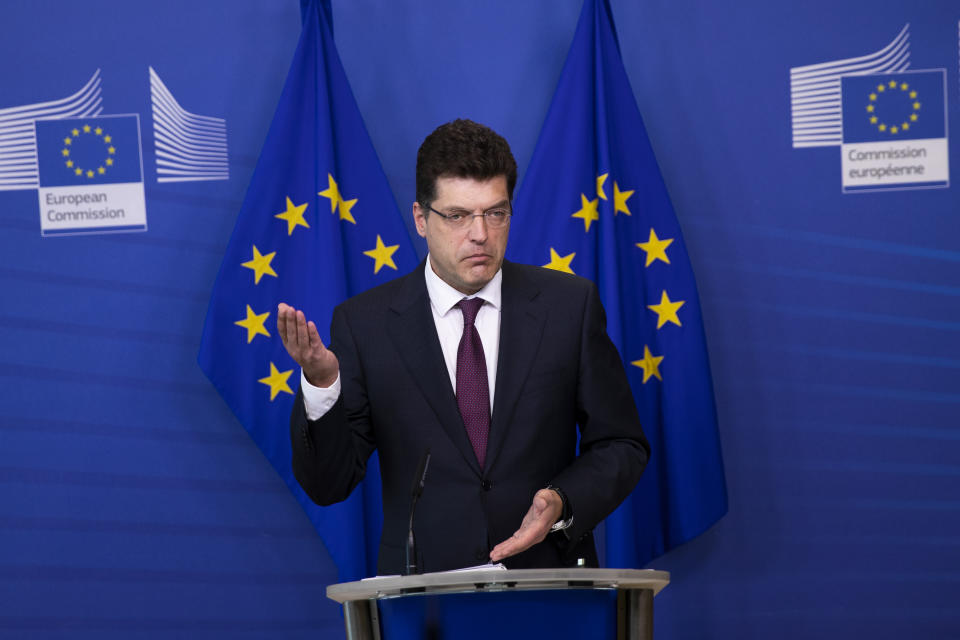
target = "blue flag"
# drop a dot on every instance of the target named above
(593, 203)
(890, 107)
(318, 224)
(91, 150)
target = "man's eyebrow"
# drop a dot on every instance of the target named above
(500, 205)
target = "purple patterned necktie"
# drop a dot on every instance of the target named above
(473, 388)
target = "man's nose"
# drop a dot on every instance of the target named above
(477, 231)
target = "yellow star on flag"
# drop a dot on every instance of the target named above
(655, 248)
(620, 200)
(75, 132)
(98, 131)
(559, 264)
(78, 171)
(86, 128)
(69, 163)
(65, 152)
(332, 192)
(600, 181)
(382, 255)
(107, 139)
(277, 381)
(667, 310)
(294, 216)
(650, 365)
(345, 206)
(67, 141)
(253, 323)
(588, 211)
(260, 265)
(111, 150)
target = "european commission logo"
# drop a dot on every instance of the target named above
(888, 120)
(70, 152)
(894, 131)
(90, 175)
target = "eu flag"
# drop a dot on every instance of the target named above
(593, 203)
(318, 224)
(91, 150)
(890, 107)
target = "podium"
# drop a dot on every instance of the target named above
(498, 603)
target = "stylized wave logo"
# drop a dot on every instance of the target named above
(18, 142)
(189, 147)
(815, 91)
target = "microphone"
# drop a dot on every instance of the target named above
(415, 491)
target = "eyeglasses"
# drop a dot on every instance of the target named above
(495, 218)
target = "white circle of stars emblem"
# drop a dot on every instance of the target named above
(893, 95)
(80, 135)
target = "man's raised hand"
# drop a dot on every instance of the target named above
(303, 343)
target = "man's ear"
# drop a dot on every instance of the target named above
(420, 219)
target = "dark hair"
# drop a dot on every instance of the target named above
(463, 149)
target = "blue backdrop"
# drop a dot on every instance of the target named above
(134, 505)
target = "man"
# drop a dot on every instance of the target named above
(490, 365)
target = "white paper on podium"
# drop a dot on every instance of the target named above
(480, 567)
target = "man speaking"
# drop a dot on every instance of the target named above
(489, 365)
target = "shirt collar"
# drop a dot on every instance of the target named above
(443, 297)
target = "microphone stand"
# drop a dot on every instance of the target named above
(418, 481)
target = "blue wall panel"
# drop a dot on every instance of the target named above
(134, 505)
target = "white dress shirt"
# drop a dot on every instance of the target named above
(449, 323)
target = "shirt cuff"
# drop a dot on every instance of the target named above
(318, 400)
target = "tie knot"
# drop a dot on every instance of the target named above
(470, 308)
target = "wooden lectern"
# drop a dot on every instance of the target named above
(499, 604)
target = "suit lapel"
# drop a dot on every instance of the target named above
(521, 323)
(414, 335)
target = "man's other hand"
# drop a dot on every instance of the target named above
(303, 343)
(544, 512)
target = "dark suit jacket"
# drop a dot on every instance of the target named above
(557, 368)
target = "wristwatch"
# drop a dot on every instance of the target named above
(566, 516)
